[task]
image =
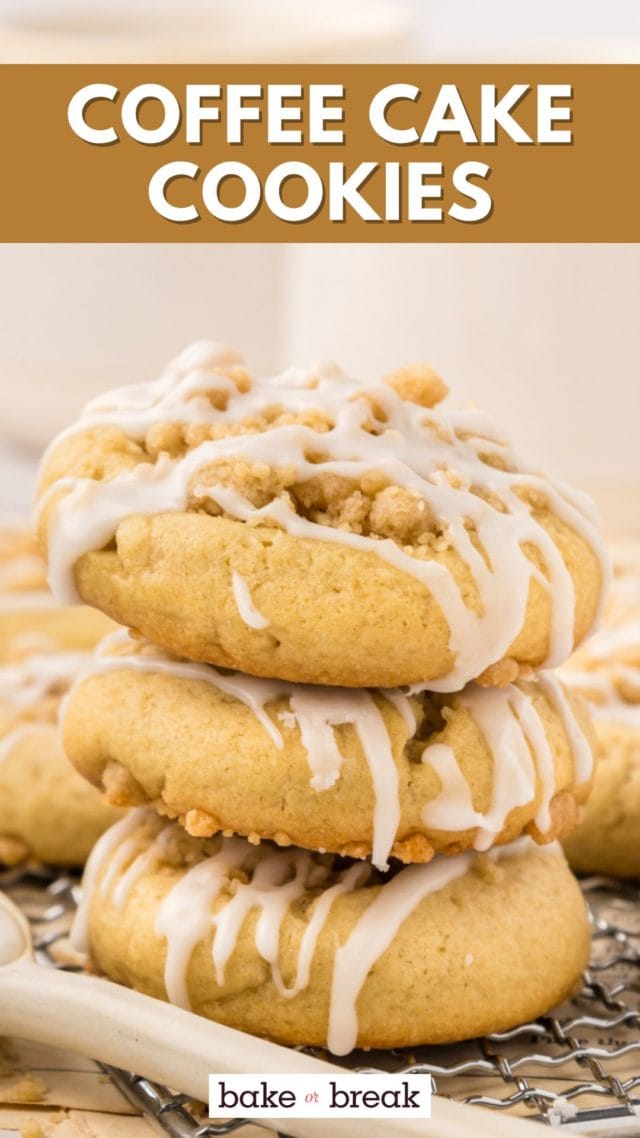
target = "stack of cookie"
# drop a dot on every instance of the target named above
(348, 775)
(47, 812)
(606, 672)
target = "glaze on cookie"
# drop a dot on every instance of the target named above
(364, 773)
(306, 949)
(316, 529)
(48, 813)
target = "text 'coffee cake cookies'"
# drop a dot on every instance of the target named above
(365, 773)
(317, 529)
(307, 949)
(606, 673)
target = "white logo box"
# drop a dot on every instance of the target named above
(348, 1095)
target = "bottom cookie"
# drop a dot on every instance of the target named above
(306, 948)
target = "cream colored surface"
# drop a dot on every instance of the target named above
(92, 32)
(528, 331)
(74, 354)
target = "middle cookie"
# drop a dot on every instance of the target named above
(359, 772)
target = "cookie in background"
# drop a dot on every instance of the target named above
(30, 619)
(47, 812)
(606, 672)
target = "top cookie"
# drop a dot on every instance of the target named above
(316, 529)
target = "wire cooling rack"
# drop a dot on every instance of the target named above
(578, 1067)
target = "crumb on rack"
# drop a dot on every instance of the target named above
(43, 1128)
(31, 1128)
(28, 1088)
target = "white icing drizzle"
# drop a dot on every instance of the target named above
(615, 644)
(602, 693)
(379, 925)
(316, 710)
(248, 611)
(512, 728)
(400, 700)
(372, 936)
(105, 848)
(184, 918)
(272, 890)
(580, 748)
(522, 756)
(536, 737)
(145, 862)
(514, 770)
(24, 683)
(271, 881)
(414, 448)
(276, 881)
(219, 892)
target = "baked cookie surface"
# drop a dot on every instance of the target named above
(306, 949)
(606, 672)
(361, 773)
(30, 619)
(316, 529)
(48, 813)
(608, 839)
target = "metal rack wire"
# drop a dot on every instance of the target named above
(578, 1066)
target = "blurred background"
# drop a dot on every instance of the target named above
(319, 30)
(547, 337)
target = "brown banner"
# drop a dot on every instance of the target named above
(320, 153)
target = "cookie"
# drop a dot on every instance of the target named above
(356, 772)
(608, 840)
(30, 619)
(606, 671)
(309, 949)
(47, 811)
(317, 529)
